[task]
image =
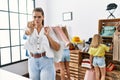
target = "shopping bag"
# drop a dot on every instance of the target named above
(89, 74)
(61, 35)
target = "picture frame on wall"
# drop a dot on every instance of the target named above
(67, 16)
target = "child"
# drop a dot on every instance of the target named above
(97, 56)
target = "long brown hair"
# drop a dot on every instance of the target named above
(96, 41)
(39, 10)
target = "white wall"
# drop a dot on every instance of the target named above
(86, 14)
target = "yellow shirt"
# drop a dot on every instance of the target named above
(99, 51)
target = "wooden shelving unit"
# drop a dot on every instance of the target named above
(76, 71)
(75, 59)
(112, 75)
(107, 22)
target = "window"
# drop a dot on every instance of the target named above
(14, 15)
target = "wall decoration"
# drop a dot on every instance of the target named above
(67, 16)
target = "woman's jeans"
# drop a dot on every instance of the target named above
(41, 68)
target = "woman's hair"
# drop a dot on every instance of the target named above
(96, 41)
(39, 10)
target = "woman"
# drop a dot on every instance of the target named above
(64, 64)
(41, 45)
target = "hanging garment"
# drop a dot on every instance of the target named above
(116, 46)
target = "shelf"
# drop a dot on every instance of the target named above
(108, 40)
(107, 22)
(106, 37)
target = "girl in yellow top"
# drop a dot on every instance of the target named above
(97, 52)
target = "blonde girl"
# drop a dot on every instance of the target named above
(97, 56)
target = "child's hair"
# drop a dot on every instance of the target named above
(96, 41)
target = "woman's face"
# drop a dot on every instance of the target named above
(38, 18)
